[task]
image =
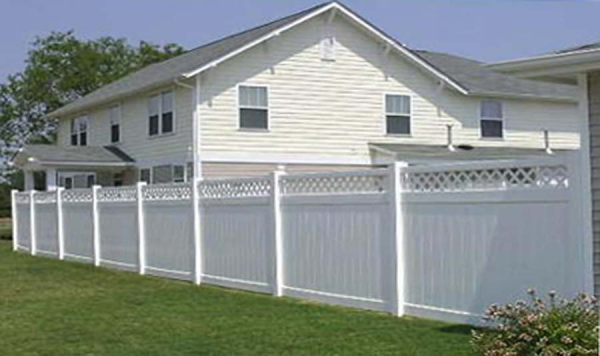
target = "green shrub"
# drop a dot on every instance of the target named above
(540, 327)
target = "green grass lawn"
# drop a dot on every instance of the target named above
(48, 307)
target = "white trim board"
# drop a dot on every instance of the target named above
(240, 157)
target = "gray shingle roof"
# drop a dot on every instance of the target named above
(586, 47)
(467, 73)
(75, 154)
(480, 80)
(164, 72)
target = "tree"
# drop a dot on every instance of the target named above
(59, 69)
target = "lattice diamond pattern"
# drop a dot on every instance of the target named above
(44, 197)
(117, 194)
(77, 196)
(259, 187)
(334, 184)
(486, 179)
(22, 198)
(167, 192)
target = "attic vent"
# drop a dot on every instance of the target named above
(328, 45)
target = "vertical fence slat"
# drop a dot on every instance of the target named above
(141, 228)
(395, 195)
(13, 219)
(33, 245)
(60, 224)
(96, 225)
(278, 282)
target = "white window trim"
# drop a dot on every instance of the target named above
(119, 108)
(481, 118)
(410, 114)
(160, 133)
(239, 107)
(72, 123)
(149, 168)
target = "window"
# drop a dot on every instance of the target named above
(79, 131)
(118, 179)
(397, 114)
(115, 124)
(178, 174)
(75, 180)
(145, 175)
(492, 121)
(253, 105)
(189, 174)
(162, 174)
(328, 48)
(160, 114)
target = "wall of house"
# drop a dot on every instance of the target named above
(146, 150)
(222, 170)
(594, 109)
(328, 112)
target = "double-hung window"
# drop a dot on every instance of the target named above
(115, 124)
(79, 131)
(491, 119)
(253, 107)
(398, 114)
(160, 114)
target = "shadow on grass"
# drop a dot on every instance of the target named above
(457, 329)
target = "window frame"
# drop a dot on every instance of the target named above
(71, 175)
(183, 176)
(159, 94)
(501, 120)
(74, 123)
(239, 108)
(139, 178)
(386, 114)
(119, 120)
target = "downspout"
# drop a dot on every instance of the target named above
(196, 164)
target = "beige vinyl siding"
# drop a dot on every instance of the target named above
(230, 170)
(594, 107)
(319, 108)
(134, 128)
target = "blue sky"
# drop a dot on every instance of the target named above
(487, 30)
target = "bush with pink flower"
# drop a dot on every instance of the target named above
(551, 326)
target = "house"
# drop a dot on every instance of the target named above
(322, 89)
(578, 66)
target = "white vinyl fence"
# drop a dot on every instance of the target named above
(439, 241)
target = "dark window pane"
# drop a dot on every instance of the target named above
(115, 133)
(167, 122)
(90, 180)
(145, 175)
(162, 174)
(491, 128)
(74, 140)
(253, 119)
(83, 139)
(398, 125)
(69, 183)
(153, 125)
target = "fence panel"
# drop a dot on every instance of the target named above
(78, 224)
(338, 247)
(168, 220)
(237, 238)
(117, 216)
(46, 223)
(23, 221)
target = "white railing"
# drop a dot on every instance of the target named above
(385, 239)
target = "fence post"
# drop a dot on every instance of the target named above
(277, 233)
(13, 219)
(60, 225)
(398, 235)
(197, 232)
(96, 225)
(141, 228)
(33, 244)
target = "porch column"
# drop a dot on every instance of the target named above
(51, 179)
(29, 182)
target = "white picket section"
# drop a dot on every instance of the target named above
(236, 233)
(441, 241)
(168, 222)
(46, 223)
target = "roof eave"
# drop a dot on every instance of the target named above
(559, 99)
(550, 60)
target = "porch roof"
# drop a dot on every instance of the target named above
(411, 153)
(53, 155)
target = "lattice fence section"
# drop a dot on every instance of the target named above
(235, 188)
(335, 183)
(167, 192)
(22, 198)
(44, 197)
(77, 196)
(117, 194)
(499, 178)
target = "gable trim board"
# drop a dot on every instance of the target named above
(190, 63)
